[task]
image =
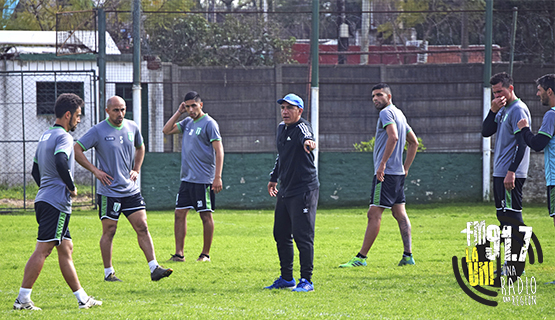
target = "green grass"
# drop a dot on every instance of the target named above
(31, 190)
(244, 260)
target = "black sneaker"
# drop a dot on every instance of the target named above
(160, 273)
(112, 278)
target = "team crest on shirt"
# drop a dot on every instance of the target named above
(130, 136)
(45, 137)
(199, 129)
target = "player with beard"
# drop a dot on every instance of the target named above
(389, 175)
(53, 168)
(545, 137)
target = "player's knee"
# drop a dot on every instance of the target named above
(206, 216)
(141, 228)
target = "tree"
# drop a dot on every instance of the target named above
(193, 41)
(535, 35)
(435, 21)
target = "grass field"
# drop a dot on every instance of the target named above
(244, 260)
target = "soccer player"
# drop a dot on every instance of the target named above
(392, 132)
(545, 136)
(53, 167)
(511, 156)
(120, 150)
(202, 160)
(297, 199)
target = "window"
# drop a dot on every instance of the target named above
(48, 92)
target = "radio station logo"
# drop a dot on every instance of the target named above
(481, 265)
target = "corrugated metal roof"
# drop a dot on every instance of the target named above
(80, 39)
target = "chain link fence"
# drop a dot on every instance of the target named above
(27, 104)
(393, 32)
(242, 57)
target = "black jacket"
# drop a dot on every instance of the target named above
(294, 167)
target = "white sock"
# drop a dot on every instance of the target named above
(152, 265)
(24, 295)
(81, 295)
(108, 271)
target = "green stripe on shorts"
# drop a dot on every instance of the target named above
(61, 223)
(551, 201)
(207, 195)
(508, 199)
(377, 193)
(103, 206)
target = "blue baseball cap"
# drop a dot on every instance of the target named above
(293, 99)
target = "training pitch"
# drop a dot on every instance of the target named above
(244, 260)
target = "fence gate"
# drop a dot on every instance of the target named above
(27, 110)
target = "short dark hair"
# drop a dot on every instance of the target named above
(384, 86)
(504, 78)
(192, 95)
(547, 82)
(67, 102)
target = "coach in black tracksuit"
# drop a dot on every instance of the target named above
(297, 198)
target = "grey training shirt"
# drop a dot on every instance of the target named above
(52, 189)
(391, 115)
(198, 158)
(115, 147)
(505, 140)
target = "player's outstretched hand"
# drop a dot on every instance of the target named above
(522, 123)
(272, 190)
(309, 145)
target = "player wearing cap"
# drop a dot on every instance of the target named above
(297, 199)
(202, 160)
(389, 175)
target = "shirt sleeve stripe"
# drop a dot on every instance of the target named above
(82, 146)
(545, 133)
(305, 131)
(61, 150)
(386, 124)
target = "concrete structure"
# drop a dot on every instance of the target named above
(31, 78)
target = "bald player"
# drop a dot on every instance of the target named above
(120, 150)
